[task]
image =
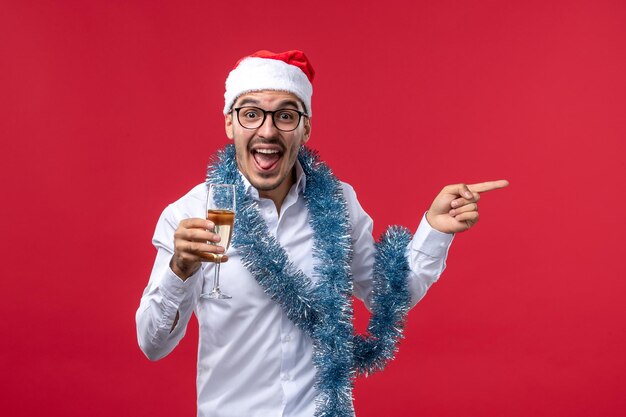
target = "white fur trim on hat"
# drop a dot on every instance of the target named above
(256, 74)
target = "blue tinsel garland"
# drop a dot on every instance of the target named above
(324, 310)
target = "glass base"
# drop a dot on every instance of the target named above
(216, 295)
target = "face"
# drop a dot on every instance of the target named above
(266, 155)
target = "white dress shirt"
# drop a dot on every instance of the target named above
(252, 360)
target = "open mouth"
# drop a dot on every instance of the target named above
(266, 159)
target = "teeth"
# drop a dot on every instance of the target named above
(267, 151)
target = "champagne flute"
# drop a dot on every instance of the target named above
(220, 210)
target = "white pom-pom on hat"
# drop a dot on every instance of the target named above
(288, 71)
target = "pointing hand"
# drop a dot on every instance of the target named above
(455, 209)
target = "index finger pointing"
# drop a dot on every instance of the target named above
(482, 187)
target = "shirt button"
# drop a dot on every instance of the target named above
(286, 339)
(285, 377)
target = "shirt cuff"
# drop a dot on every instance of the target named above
(175, 288)
(431, 241)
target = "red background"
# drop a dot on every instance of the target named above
(110, 110)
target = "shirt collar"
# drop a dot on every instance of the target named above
(300, 183)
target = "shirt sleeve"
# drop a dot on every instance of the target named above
(165, 295)
(426, 253)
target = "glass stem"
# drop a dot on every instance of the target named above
(216, 284)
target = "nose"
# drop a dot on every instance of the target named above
(267, 129)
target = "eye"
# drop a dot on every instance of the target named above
(286, 115)
(251, 113)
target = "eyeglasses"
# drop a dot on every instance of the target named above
(285, 120)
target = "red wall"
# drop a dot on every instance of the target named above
(110, 109)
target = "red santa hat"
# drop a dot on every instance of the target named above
(288, 71)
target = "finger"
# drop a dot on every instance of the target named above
(200, 235)
(208, 248)
(460, 202)
(196, 223)
(461, 190)
(464, 209)
(483, 187)
(211, 257)
(205, 257)
(197, 249)
(470, 216)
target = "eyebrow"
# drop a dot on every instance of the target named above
(247, 101)
(281, 104)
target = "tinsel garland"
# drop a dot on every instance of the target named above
(324, 310)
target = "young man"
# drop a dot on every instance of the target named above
(302, 246)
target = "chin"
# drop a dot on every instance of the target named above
(269, 182)
(265, 185)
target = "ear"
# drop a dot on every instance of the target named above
(307, 130)
(228, 125)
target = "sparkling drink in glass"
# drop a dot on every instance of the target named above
(221, 211)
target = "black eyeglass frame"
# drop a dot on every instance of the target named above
(272, 112)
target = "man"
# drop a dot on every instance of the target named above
(302, 246)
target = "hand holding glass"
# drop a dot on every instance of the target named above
(221, 211)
